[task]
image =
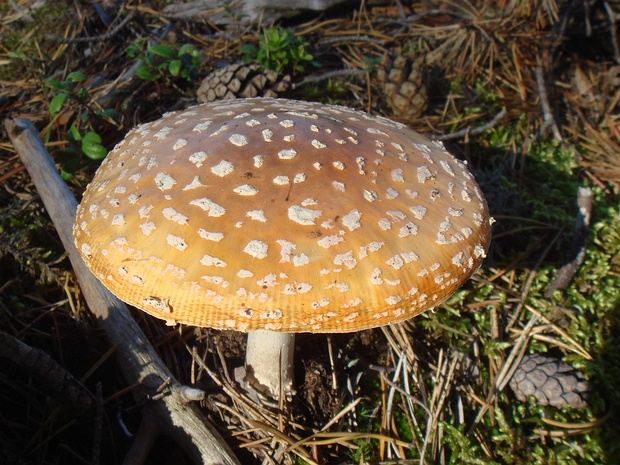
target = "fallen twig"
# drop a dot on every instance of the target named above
(335, 74)
(613, 36)
(469, 131)
(136, 357)
(549, 120)
(577, 252)
(24, 15)
(332, 41)
(108, 35)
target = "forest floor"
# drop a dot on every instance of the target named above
(526, 91)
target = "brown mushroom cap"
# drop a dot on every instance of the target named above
(281, 215)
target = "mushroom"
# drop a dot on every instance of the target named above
(274, 216)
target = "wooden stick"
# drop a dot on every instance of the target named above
(577, 251)
(136, 357)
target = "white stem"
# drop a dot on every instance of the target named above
(266, 351)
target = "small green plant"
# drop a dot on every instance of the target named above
(69, 87)
(464, 450)
(161, 60)
(371, 63)
(71, 95)
(279, 50)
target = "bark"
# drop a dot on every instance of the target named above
(136, 357)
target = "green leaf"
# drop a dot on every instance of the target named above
(54, 84)
(134, 50)
(57, 103)
(144, 72)
(94, 151)
(249, 50)
(174, 67)
(91, 137)
(164, 51)
(76, 76)
(75, 133)
(187, 49)
(272, 47)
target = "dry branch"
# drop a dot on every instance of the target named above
(468, 131)
(577, 253)
(137, 359)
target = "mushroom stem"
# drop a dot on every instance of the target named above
(266, 351)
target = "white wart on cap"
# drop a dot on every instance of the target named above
(281, 215)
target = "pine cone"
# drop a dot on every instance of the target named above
(401, 79)
(550, 382)
(242, 80)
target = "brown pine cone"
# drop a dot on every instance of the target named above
(401, 78)
(550, 382)
(242, 80)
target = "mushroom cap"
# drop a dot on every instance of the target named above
(281, 215)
